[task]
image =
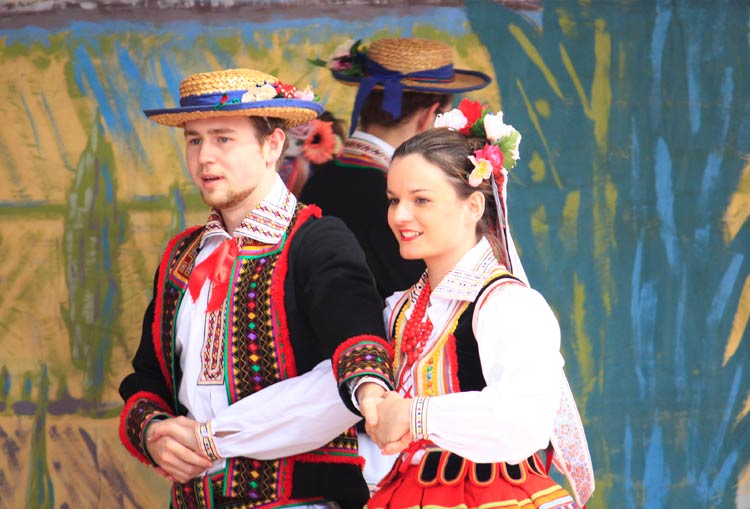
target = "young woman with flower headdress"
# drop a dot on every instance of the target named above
(480, 386)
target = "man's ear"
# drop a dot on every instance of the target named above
(273, 146)
(427, 117)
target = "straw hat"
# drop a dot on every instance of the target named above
(432, 60)
(238, 92)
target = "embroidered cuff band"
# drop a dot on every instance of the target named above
(206, 440)
(418, 420)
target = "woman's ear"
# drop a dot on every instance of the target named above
(475, 205)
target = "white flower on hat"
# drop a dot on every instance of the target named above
(343, 49)
(454, 120)
(307, 94)
(261, 93)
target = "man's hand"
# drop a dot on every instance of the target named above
(369, 395)
(174, 447)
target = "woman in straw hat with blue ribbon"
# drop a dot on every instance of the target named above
(251, 311)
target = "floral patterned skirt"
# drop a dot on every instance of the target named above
(443, 480)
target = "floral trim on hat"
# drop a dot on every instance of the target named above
(265, 91)
(347, 59)
(496, 157)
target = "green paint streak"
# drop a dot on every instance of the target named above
(538, 127)
(73, 91)
(39, 489)
(41, 63)
(535, 57)
(94, 229)
(230, 45)
(5, 384)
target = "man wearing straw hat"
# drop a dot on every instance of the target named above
(263, 321)
(402, 84)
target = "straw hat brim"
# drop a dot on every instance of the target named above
(293, 112)
(464, 81)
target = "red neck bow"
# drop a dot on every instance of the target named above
(216, 268)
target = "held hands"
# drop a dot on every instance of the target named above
(173, 445)
(386, 417)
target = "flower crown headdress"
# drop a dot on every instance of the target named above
(473, 119)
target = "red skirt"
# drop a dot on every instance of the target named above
(443, 480)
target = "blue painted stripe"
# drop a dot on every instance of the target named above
(665, 202)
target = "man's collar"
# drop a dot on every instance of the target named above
(266, 223)
(382, 144)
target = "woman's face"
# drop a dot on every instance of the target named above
(430, 221)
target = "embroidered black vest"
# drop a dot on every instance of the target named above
(258, 353)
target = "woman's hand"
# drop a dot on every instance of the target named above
(392, 425)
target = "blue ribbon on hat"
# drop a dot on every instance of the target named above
(213, 100)
(376, 74)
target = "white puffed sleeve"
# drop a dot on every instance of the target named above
(519, 347)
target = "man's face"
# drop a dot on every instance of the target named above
(228, 164)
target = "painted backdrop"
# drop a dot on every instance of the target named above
(630, 208)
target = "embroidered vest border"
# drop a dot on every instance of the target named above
(266, 483)
(439, 370)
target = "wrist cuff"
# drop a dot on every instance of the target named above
(418, 418)
(205, 437)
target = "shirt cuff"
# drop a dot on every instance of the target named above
(418, 418)
(205, 436)
(152, 418)
(354, 383)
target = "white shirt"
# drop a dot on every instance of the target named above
(518, 339)
(282, 419)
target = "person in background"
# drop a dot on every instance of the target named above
(263, 320)
(402, 84)
(480, 388)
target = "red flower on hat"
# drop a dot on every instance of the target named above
(472, 110)
(284, 90)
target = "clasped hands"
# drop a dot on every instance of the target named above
(387, 416)
(173, 445)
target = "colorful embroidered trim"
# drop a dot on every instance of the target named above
(361, 153)
(158, 334)
(364, 355)
(418, 421)
(140, 409)
(205, 436)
